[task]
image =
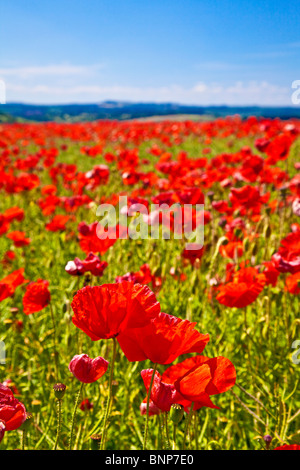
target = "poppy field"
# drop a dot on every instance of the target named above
(115, 342)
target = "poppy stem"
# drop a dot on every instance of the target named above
(23, 439)
(148, 402)
(188, 422)
(74, 415)
(174, 436)
(167, 432)
(58, 405)
(54, 342)
(107, 410)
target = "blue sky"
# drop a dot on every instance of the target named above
(235, 52)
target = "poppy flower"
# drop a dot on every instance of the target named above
(58, 223)
(292, 283)
(153, 409)
(12, 411)
(244, 288)
(232, 249)
(285, 265)
(36, 297)
(105, 311)
(163, 395)
(164, 339)
(19, 238)
(86, 405)
(9, 283)
(92, 264)
(14, 213)
(75, 267)
(88, 370)
(271, 273)
(96, 239)
(198, 378)
(2, 429)
(288, 447)
(194, 380)
(193, 252)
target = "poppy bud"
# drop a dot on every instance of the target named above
(210, 195)
(59, 390)
(176, 413)
(254, 250)
(27, 422)
(246, 243)
(95, 441)
(268, 231)
(268, 440)
(88, 370)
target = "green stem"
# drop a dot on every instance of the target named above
(148, 401)
(58, 404)
(167, 432)
(196, 429)
(188, 422)
(174, 436)
(23, 439)
(106, 414)
(74, 414)
(54, 343)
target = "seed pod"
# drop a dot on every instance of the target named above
(176, 413)
(267, 232)
(27, 422)
(95, 441)
(268, 440)
(59, 390)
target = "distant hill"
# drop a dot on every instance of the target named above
(17, 112)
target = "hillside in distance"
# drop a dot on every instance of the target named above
(119, 110)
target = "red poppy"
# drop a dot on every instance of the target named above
(163, 395)
(9, 283)
(232, 250)
(86, 405)
(198, 378)
(105, 311)
(58, 223)
(271, 273)
(292, 283)
(92, 264)
(193, 252)
(193, 380)
(19, 238)
(14, 213)
(288, 447)
(164, 339)
(12, 411)
(245, 287)
(153, 409)
(88, 370)
(98, 239)
(36, 297)
(2, 429)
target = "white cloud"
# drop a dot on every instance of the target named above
(60, 70)
(238, 93)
